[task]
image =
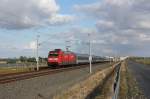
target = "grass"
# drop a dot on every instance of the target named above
(123, 83)
(106, 91)
(8, 70)
(17, 68)
(143, 61)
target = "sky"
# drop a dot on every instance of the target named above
(116, 27)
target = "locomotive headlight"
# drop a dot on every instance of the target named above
(49, 59)
(55, 58)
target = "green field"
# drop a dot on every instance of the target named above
(8, 70)
(143, 60)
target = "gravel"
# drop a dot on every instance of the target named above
(45, 87)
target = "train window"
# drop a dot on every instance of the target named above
(83, 58)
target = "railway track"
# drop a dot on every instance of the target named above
(21, 76)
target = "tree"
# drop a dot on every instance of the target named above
(23, 58)
(31, 59)
(10, 61)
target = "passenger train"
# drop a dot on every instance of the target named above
(60, 58)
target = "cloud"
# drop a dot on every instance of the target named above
(144, 24)
(125, 14)
(105, 25)
(31, 46)
(120, 2)
(123, 24)
(59, 19)
(22, 14)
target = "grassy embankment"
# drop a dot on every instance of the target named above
(128, 85)
(90, 88)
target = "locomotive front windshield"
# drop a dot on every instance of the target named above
(53, 55)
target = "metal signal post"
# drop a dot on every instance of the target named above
(90, 56)
(67, 45)
(37, 53)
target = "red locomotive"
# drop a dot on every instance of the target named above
(58, 57)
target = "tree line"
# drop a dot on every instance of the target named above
(23, 59)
